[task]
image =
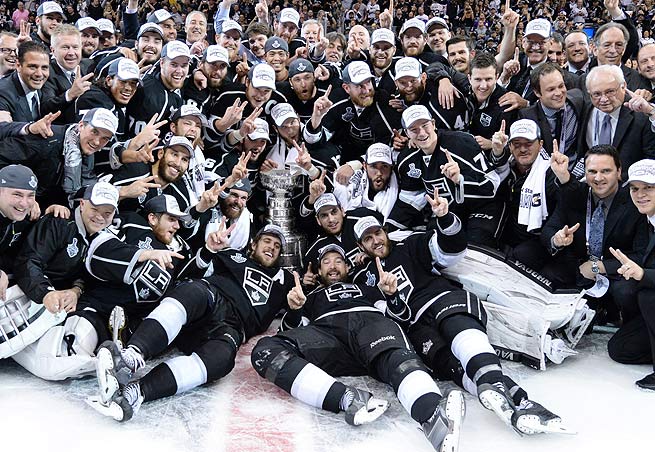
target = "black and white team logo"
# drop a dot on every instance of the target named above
(405, 286)
(145, 244)
(257, 285)
(485, 119)
(342, 291)
(72, 249)
(238, 258)
(413, 171)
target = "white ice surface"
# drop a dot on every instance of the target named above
(244, 413)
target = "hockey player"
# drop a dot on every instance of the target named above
(50, 270)
(453, 163)
(347, 335)
(208, 318)
(445, 324)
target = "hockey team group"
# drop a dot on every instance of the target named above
(137, 214)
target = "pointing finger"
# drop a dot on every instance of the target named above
(516, 54)
(449, 157)
(86, 77)
(378, 264)
(296, 279)
(152, 120)
(327, 92)
(574, 228)
(502, 127)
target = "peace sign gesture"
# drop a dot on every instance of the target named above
(629, 269)
(296, 298)
(439, 205)
(387, 281)
(240, 170)
(564, 237)
(451, 169)
(232, 116)
(304, 160)
(499, 140)
(218, 239)
(81, 84)
(248, 126)
(209, 198)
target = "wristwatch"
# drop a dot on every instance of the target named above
(594, 267)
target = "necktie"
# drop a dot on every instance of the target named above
(579, 72)
(596, 228)
(605, 135)
(569, 128)
(526, 80)
(35, 107)
(71, 77)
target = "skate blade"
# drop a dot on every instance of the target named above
(455, 412)
(110, 409)
(107, 383)
(532, 426)
(374, 409)
(495, 402)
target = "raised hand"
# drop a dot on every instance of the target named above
(240, 170)
(638, 103)
(510, 18)
(198, 48)
(164, 258)
(387, 281)
(451, 169)
(296, 298)
(200, 80)
(321, 72)
(439, 205)
(43, 126)
(209, 198)
(304, 160)
(343, 174)
(564, 237)
(499, 140)
(317, 188)
(353, 49)
(218, 239)
(138, 188)
(243, 67)
(447, 93)
(512, 101)
(511, 68)
(232, 116)
(261, 11)
(309, 278)
(24, 34)
(321, 107)
(559, 164)
(80, 85)
(629, 268)
(248, 125)
(302, 52)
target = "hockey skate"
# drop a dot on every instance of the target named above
(364, 408)
(117, 324)
(531, 418)
(443, 428)
(123, 405)
(495, 397)
(114, 368)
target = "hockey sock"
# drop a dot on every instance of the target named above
(518, 393)
(346, 399)
(478, 358)
(313, 385)
(158, 383)
(419, 395)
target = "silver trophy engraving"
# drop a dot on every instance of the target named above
(281, 183)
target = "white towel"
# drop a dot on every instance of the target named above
(356, 194)
(533, 209)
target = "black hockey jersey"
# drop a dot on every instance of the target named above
(151, 98)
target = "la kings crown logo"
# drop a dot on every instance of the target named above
(257, 285)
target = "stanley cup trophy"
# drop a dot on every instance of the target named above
(281, 183)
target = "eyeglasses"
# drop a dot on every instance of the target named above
(610, 94)
(617, 45)
(8, 51)
(531, 43)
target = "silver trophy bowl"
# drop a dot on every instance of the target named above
(281, 183)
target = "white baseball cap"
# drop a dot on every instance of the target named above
(383, 35)
(413, 23)
(159, 16)
(262, 75)
(437, 22)
(102, 194)
(290, 15)
(49, 8)
(101, 118)
(281, 112)
(124, 69)
(175, 49)
(407, 67)
(363, 224)
(261, 130)
(150, 27)
(86, 22)
(183, 142)
(106, 25)
(413, 114)
(325, 200)
(357, 72)
(539, 27)
(378, 152)
(166, 204)
(215, 53)
(524, 128)
(642, 171)
(229, 24)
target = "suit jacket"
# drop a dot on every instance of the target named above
(625, 228)
(535, 112)
(518, 83)
(648, 264)
(633, 80)
(54, 91)
(633, 137)
(14, 100)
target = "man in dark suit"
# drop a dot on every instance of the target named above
(20, 93)
(634, 342)
(65, 82)
(558, 111)
(589, 219)
(606, 120)
(535, 44)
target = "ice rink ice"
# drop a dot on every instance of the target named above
(244, 413)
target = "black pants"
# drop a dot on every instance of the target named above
(634, 342)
